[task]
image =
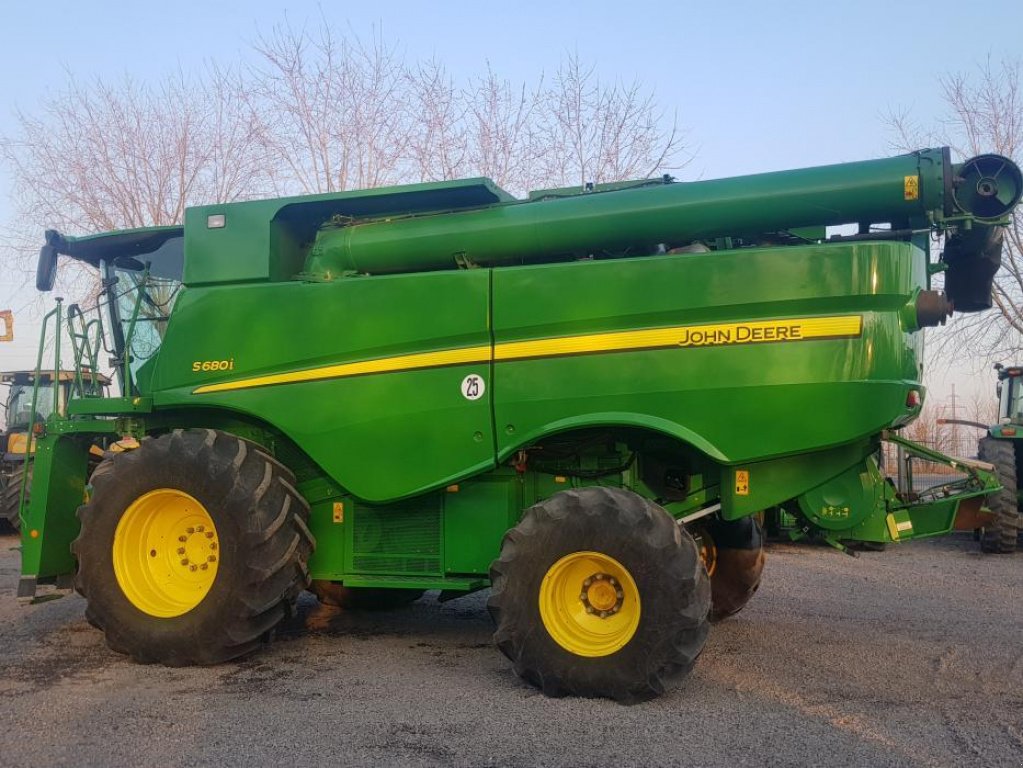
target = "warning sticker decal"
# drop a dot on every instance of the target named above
(911, 187)
(742, 482)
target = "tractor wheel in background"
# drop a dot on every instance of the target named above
(735, 561)
(192, 548)
(11, 495)
(362, 598)
(1000, 534)
(599, 592)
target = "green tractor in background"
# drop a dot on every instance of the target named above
(19, 414)
(1001, 448)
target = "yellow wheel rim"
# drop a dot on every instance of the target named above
(589, 604)
(166, 553)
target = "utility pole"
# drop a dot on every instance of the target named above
(954, 437)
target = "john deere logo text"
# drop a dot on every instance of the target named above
(698, 337)
(769, 330)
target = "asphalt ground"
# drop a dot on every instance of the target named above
(912, 656)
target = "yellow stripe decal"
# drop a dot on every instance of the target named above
(463, 356)
(720, 334)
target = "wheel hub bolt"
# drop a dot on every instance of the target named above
(211, 559)
(184, 561)
(209, 534)
(200, 528)
(190, 530)
(182, 538)
(204, 566)
(192, 568)
(181, 550)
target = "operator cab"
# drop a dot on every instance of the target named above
(142, 274)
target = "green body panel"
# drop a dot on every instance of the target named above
(418, 419)
(49, 524)
(769, 483)
(442, 535)
(736, 403)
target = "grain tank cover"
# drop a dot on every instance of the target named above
(261, 240)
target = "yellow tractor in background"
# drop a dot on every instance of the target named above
(54, 391)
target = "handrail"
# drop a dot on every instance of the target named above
(85, 347)
(129, 388)
(55, 312)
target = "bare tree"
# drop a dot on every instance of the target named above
(502, 132)
(982, 406)
(571, 131)
(595, 132)
(332, 111)
(101, 156)
(438, 144)
(983, 113)
(318, 112)
(337, 113)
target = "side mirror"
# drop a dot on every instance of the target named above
(46, 269)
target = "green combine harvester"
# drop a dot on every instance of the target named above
(583, 401)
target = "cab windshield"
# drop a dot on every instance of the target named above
(145, 288)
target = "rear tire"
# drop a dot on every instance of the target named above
(257, 555)
(11, 495)
(738, 567)
(624, 650)
(1000, 535)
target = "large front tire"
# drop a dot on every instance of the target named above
(1000, 534)
(192, 548)
(599, 592)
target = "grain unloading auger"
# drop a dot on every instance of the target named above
(396, 374)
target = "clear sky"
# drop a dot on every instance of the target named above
(757, 86)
